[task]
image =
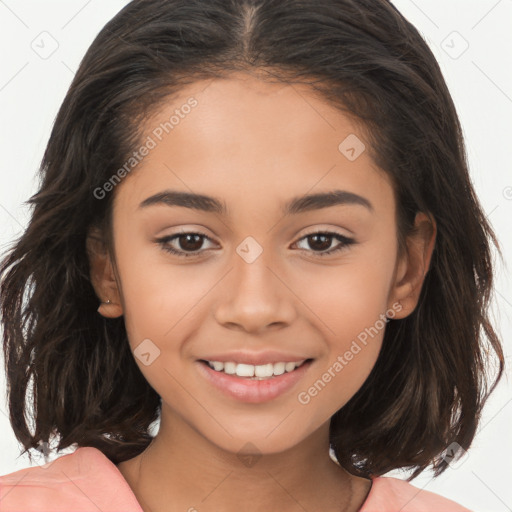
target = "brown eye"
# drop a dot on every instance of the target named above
(188, 244)
(320, 242)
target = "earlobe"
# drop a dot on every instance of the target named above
(414, 265)
(102, 275)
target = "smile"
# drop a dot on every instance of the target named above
(255, 372)
(253, 383)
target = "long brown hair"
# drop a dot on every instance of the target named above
(433, 374)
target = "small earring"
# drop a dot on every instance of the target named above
(107, 302)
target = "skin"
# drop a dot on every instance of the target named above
(254, 145)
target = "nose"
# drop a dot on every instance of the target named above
(254, 297)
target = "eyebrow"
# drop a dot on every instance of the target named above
(294, 206)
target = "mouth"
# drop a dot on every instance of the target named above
(254, 372)
(253, 383)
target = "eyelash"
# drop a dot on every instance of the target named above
(345, 242)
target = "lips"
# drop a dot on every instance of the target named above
(253, 389)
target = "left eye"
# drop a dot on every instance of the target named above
(189, 244)
(323, 240)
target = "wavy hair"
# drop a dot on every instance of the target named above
(435, 369)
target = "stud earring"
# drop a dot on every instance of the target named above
(107, 302)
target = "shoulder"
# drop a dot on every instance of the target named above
(388, 493)
(84, 480)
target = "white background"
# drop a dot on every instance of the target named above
(479, 78)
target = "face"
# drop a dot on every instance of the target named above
(260, 274)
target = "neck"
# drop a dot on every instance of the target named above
(182, 470)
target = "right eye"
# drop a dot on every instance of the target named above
(188, 243)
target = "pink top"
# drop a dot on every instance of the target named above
(86, 480)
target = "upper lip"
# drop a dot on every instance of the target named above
(256, 358)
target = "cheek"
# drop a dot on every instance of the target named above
(347, 298)
(350, 304)
(157, 295)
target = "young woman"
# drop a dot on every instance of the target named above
(255, 226)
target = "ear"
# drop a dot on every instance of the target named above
(413, 265)
(102, 275)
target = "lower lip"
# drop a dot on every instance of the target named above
(253, 391)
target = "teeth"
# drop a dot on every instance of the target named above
(289, 367)
(245, 370)
(257, 372)
(218, 366)
(228, 367)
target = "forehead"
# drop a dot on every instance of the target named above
(242, 139)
